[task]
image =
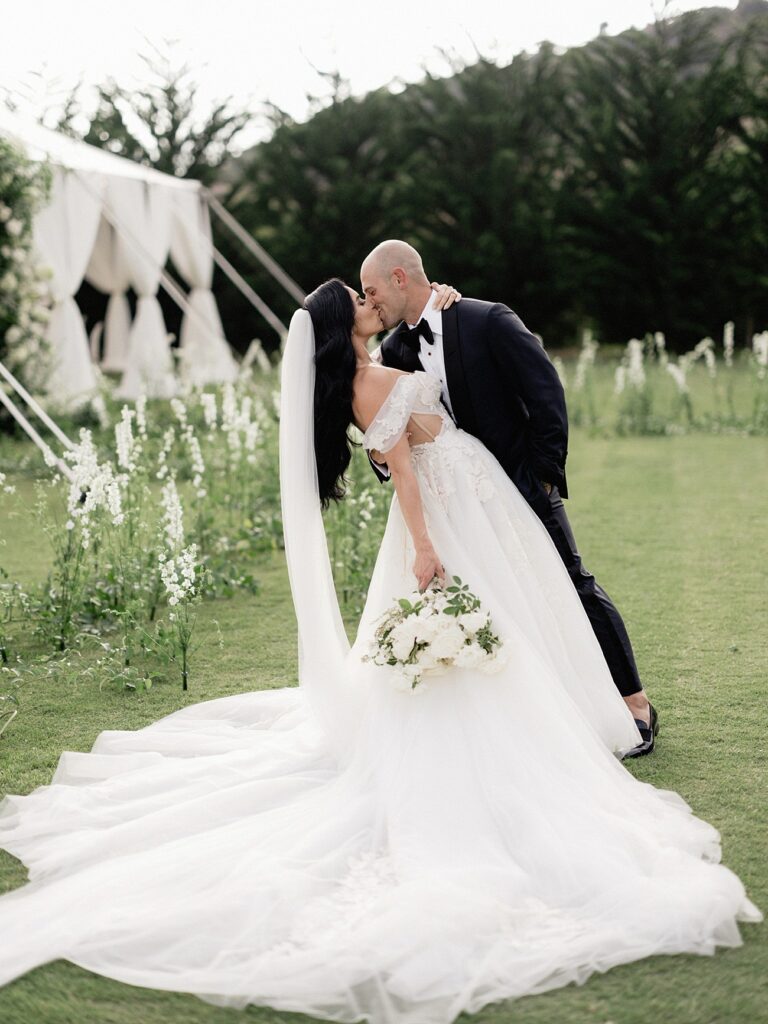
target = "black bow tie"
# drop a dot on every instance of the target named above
(411, 335)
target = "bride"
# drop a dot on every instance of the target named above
(348, 850)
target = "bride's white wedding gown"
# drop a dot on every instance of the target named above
(480, 839)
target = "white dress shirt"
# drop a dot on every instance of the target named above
(431, 357)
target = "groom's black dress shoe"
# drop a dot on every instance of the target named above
(648, 734)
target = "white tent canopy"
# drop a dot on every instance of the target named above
(115, 223)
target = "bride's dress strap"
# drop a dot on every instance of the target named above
(406, 397)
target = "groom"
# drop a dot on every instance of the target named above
(499, 384)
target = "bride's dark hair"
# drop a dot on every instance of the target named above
(332, 311)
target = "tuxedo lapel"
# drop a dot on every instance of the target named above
(455, 377)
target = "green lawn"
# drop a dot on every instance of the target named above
(677, 532)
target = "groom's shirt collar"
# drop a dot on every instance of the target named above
(433, 316)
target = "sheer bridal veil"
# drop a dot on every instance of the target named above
(323, 644)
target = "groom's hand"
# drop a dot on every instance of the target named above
(547, 487)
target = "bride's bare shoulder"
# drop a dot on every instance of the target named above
(370, 388)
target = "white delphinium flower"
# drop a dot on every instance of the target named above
(169, 438)
(366, 507)
(560, 368)
(124, 441)
(760, 352)
(244, 413)
(179, 410)
(728, 343)
(141, 417)
(709, 359)
(198, 464)
(678, 372)
(178, 574)
(635, 367)
(660, 344)
(703, 349)
(586, 359)
(93, 486)
(620, 379)
(173, 516)
(252, 435)
(230, 420)
(114, 500)
(210, 411)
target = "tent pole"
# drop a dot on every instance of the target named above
(35, 406)
(30, 431)
(253, 246)
(238, 280)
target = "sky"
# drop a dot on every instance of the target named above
(257, 51)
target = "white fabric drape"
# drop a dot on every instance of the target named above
(64, 233)
(323, 643)
(108, 271)
(143, 214)
(205, 354)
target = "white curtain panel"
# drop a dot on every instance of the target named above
(143, 213)
(205, 355)
(108, 271)
(64, 233)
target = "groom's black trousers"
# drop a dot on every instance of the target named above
(606, 621)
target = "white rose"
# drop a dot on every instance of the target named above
(402, 639)
(449, 641)
(470, 656)
(426, 659)
(472, 621)
(426, 629)
(14, 227)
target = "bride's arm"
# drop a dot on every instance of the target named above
(427, 564)
(369, 401)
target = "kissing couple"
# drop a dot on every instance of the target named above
(349, 850)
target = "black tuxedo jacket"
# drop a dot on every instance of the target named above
(504, 390)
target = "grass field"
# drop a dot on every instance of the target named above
(676, 529)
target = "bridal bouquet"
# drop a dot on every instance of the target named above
(426, 633)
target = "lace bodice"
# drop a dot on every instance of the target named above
(435, 461)
(417, 392)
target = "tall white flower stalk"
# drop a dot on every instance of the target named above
(182, 577)
(728, 351)
(760, 357)
(760, 354)
(94, 510)
(582, 378)
(631, 383)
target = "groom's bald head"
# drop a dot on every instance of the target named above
(393, 275)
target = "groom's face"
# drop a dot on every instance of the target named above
(387, 294)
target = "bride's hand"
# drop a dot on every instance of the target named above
(427, 566)
(445, 295)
